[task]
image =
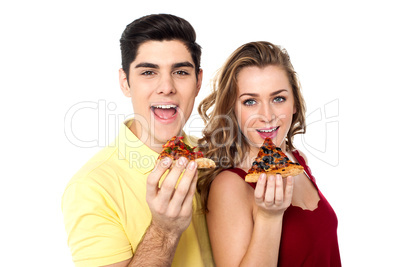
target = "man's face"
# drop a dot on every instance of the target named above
(163, 87)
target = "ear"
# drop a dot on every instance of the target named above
(125, 88)
(199, 81)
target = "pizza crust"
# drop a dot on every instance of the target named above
(202, 163)
(205, 163)
(291, 170)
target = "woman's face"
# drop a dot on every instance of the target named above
(264, 105)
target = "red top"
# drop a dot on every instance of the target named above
(309, 238)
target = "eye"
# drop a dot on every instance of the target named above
(279, 99)
(147, 73)
(249, 102)
(181, 72)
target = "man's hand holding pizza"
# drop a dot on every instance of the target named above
(171, 203)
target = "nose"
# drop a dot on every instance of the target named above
(266, 113)
(166, 85)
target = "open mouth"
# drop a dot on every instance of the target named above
(268, 130)
(164, 111)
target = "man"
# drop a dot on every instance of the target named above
(121, 208)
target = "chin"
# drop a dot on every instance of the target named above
(165, 132)
(279, 142)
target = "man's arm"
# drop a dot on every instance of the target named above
(156, 249)
(171, 209)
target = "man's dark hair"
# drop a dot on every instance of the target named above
(157, 27)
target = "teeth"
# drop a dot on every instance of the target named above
(165, 106)
(268, 131)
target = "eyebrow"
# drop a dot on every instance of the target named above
(146, 65)
(272, 94)
(155, 66)
(183, 64)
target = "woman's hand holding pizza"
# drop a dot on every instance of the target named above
(272, 194)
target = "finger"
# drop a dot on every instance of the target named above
(187, 206)
(169, 184)
(260, 189)
(289, 190)
(185, 184)
(156, 174)
(278, 190)
(270, 191)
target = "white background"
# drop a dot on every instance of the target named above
(57, 56)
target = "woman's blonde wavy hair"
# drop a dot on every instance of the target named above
(222, 139)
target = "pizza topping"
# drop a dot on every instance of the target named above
(276, 155)
(176, 148)
(266, 150)
(270, 158)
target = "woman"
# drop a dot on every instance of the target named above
(279, 221)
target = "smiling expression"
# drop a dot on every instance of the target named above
(162, 86)
(264, 105)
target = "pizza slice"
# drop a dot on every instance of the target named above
(272, 160)
(176, 148)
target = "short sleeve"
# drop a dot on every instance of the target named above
(95, 234)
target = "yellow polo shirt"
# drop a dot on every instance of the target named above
(106, 214)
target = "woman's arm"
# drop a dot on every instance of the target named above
(245, 225)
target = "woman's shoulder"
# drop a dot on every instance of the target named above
(229, 180)
(229, 189)
(230, 175)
